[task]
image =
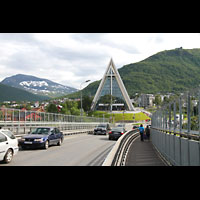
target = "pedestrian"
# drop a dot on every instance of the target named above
(147, 131)
(141, 129)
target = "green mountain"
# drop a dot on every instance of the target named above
(8, 93)
(168, 71)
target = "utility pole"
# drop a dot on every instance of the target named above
(81, 97)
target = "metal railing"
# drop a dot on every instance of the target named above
(23, 121)
(176, 129)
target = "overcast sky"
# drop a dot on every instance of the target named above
(72, 58)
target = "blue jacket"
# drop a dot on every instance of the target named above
(141, 129)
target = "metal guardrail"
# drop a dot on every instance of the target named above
(67, 133)
(176, 129)
(118, 153)
(22, 121)
(179, 149)
(181, 114)
(17, 115)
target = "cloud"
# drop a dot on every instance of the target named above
(159, 39)
(18, 38)
(26, 54)
(89, 37)
(62, 57)
(75, 57)
(109, 40)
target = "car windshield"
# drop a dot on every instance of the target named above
(118, 129)
(43, 131)
(120, 125)
(9, 134)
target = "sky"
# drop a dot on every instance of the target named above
(72, 58)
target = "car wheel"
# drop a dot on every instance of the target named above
(46, 145)
(9, 155)
(59, 142)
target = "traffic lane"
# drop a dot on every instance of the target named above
(79, 150)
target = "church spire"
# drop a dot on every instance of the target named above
(112, 84)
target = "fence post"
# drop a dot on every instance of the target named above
(169, 116)
(180, 114)
(175, 115)
(199, 113)
(189, 114)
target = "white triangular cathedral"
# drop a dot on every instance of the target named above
(112, 84)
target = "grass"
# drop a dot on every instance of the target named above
(119, 116)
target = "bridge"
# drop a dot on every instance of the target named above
(175, 138)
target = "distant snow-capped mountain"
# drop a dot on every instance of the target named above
(38, 85)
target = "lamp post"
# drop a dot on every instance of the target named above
(81, 96)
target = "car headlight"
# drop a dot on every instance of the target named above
(38, 140)
(22, 139)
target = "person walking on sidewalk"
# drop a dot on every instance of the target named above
(141, 129)
(147, 131)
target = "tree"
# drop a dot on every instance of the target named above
(157, 100)
(52, 108)
(87, 101)
(70, 108)
(75, 111)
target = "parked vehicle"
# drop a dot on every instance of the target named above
(42, 137)
(116, 132)
(122, 125)
(8, 145)
(102, 129)
(135, 127)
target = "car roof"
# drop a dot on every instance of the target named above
(2, 130)
(118, 128)
(46, 127)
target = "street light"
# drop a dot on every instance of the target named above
(81, 95)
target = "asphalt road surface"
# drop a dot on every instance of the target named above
(76, 150)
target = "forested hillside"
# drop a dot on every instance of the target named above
(8, 93)
(167, 71)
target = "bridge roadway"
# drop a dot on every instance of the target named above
(87, 150)
(76, 150)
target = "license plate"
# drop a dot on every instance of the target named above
(27, 142)
(115, 133)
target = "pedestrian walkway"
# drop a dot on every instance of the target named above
(143, 154)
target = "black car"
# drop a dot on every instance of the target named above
(102, 129)
(116, 132)
(122, 125)
(135, 127)
(42, 137)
